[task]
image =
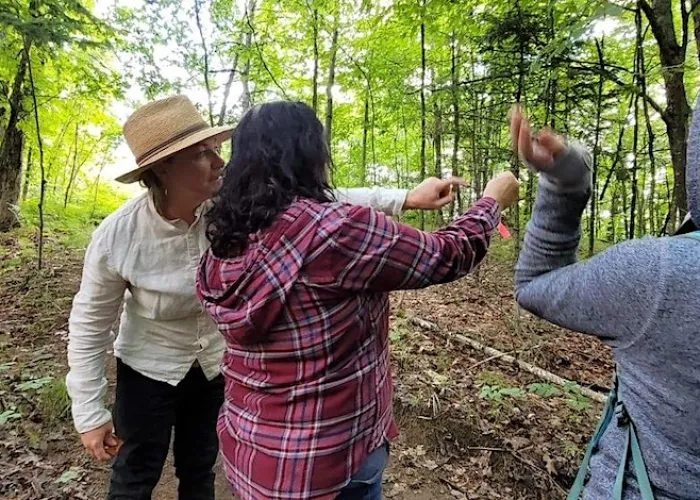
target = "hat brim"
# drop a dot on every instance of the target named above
(220, 133)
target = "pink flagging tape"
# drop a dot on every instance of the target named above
(503, 231)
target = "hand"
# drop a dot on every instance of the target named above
(101, 443)
(538, 152)
(504, 188)
(433, 193)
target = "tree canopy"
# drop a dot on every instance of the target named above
(406, 89)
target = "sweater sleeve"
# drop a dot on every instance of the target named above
(95, 310)
(387, 200)
(613, 295)
(364, 250)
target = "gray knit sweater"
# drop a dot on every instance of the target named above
(642, 298)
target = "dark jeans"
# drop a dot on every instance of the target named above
(366, 484)
(145, 413)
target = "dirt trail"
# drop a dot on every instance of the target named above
(471, 427)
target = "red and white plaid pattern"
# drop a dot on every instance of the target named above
(305, 313)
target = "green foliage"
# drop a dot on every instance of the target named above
(571, 391)
(575, 399)
(496, 389)
(544, 390)
(498, 394)
(9, 415)
(66, 228)
(74, 224)
(70, 475)
(33, 384)
(479, 59)
(54, 402)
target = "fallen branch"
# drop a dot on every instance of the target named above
(496, 354)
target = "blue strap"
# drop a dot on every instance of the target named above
(608, 412)
(620, 477)
(640, 469)
(614, 405)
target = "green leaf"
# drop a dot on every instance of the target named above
(33, 385)
(544, 390)
(9, 415)
(69, 476)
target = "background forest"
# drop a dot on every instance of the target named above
(406, 89)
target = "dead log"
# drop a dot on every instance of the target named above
(496, 354)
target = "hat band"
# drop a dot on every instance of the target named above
(172, 140)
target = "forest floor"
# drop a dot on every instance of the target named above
(472, 426)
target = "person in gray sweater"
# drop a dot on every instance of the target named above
(640, 297)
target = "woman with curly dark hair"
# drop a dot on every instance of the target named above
(145, 257)
(298, 285)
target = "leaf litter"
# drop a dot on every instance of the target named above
(471, 426)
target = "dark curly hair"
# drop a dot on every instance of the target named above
(278, 154)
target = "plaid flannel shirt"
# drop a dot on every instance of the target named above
(305, 314)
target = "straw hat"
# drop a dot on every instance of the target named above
(162, 128)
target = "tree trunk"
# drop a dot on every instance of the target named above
(596, 152)
(74, 167)
(365, 131)
(478, 165)
(635, 166)
(246, 100)
(27, 174)
(635, 141)
(696, 22)
(454, 70)
(227, 91)
(677, 114)
(314, 83)
(58, 146)
(42, 192)
(612, 228)
(422, 108)
(97, 188)
(205, 50)
(515, 162)
(437, 146)
(653, 222)
(12, 145)
(331, 83)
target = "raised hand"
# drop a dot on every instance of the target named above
(538, 151)
(504, 188)
(433, 193)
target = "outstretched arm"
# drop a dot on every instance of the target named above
(365, 250)
(431, 194)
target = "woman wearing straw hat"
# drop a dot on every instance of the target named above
(144, 257)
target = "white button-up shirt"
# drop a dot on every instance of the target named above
(147, 263)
